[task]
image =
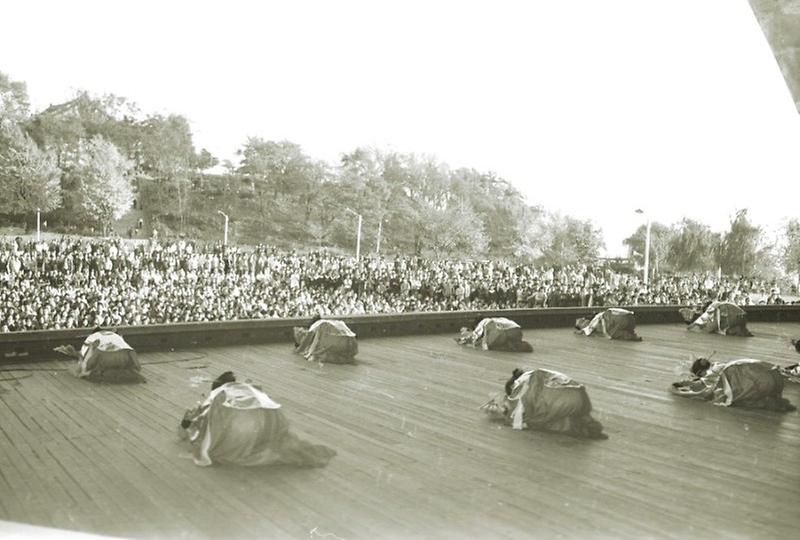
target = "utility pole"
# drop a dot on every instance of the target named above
(225, 237)
(378, 245)
(358, 232)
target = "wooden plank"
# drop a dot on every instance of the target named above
(111, 452)
(64, 466)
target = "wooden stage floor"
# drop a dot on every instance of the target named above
(416, 458)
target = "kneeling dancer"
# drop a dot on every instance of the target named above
(546, 400)
(742, 383)
(793, 372)
(613, 323)
(105, 356)
(495, 334)
(721, 317)
(326, 341)
(239, 424)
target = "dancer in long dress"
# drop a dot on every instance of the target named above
(613, 323)
(105, 356)
(792, 372)
(495, 334)
(239, 424)
(742, 383)
(545, 400)
(723, 318)
(326, 340)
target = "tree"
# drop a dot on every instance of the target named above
(166, 155)
(571, 241)
(62, 127)
(740, 246)
(455, 231)
(499, 205)
(767, 264)
(321, 225)
(691, 247)
(401, 191)
(660, 236)
(29, 177)
(424, 196)
(282, 167)
(205, 160)
(400, 213)
(14, 102)
(100, 181)
(283, 179)
(587, 239)
(791, 250)
(533, 234)
(362, 176)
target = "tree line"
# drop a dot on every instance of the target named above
(84, 162)
(743, 250)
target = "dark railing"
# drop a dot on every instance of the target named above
(16, 345)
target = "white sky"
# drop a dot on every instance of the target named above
(590, 108)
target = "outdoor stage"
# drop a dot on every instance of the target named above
(416, 458)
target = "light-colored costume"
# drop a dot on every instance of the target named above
(327, 341)
(722, 318)
(792, 373)
(746, 383)
(613, 323)
(496, 334)
(547, 400)
(105, 355)
(239, 424)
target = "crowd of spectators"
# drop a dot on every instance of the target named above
(71, 283)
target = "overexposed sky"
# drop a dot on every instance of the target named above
(589, 108)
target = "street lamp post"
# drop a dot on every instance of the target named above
(646, 248)
(378, 245)
(358, 232)
(225, 237)
(38, 225)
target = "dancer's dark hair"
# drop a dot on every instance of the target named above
(510, 382)
(583, 322)
(700, 366)
(226, 377)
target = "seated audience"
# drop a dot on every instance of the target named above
(538, 299)
(775, 297)
(83, 283)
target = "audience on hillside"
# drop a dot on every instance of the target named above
(70, 283)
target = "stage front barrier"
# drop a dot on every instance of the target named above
(15, 346)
